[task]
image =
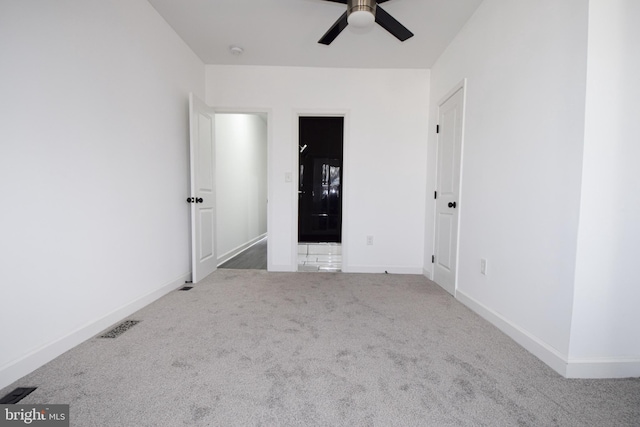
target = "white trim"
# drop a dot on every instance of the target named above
(604, 368)
(239, 249)
(427, 273)
(549, 355)
(462, 84)
(381, 269)
(451, 290)
(15, 370)
(344, 187)
(284, 268)
(242, 110)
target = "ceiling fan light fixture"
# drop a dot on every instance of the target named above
(361, 13)
(361, 19)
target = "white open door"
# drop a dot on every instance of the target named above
(202, 200)
(448, 191)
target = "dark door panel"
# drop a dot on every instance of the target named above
(320, 183)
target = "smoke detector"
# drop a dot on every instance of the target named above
(236, 50)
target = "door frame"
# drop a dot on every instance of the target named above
(269, 114)
(344, 184)
(462, 85)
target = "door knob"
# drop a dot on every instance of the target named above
(452, 205)
(190, 200)
(199, 200)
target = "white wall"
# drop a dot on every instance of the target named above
(385, 147)
(93, 170)
(241, 182)
(605, 335)
(525, 64)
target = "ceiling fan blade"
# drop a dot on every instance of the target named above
(390, 24)
(336, 29)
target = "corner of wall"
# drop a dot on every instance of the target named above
(547, 354)
(17, 369)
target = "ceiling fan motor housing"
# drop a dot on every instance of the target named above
(361, 6)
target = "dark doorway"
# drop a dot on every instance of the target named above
(320, 141)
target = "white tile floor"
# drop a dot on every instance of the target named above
(322, 257)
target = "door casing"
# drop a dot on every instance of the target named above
(213, 111)
(344, 184)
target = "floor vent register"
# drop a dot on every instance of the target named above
(120, 329)
(16, 395)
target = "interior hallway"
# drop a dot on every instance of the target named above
(253, 258)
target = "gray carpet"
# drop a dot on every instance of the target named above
(251, 348)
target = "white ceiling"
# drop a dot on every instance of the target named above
(286, 32)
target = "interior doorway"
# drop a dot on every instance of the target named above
(241, 191)
(320, 168)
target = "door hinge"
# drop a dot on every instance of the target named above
(433, 259)
(437, 128)
(435, 194)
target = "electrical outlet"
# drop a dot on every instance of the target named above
(369, 240)
(483, 266)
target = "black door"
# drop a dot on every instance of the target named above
(320, 183)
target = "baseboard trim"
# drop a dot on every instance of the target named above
(450, 289)
(15, 370)
(381, 269)
(427, 273)
(276, 268)
(233, 252)
(549, 355)
(604, 368)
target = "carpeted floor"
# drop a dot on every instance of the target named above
(251, 348)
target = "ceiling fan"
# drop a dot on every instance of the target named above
(362, 13)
